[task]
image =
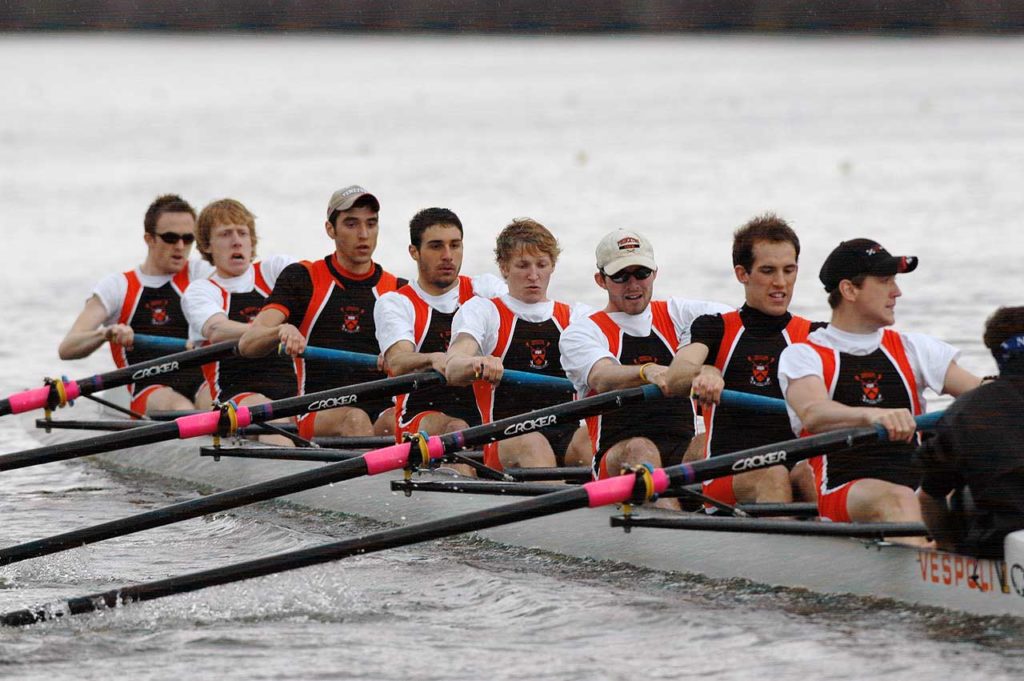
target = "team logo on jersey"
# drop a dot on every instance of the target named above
(446, 338)
(645, 359)
(538, 353)
(158, 311)
(760, 366)
(248, 314)
(351, 316)
(870, 385)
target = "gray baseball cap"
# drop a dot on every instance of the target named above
(344, 198)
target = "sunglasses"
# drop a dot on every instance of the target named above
(174, 237)
(640, 273)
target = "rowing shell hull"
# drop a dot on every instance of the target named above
(827, 565)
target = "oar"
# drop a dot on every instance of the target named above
(509, 377)
(636, 487)
(222, 422)
(49, 396)
(750, 402)
(371, 463)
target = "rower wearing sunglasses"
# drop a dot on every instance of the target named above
(146, 300)
(629, 343)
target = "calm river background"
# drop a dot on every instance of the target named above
(916, 142)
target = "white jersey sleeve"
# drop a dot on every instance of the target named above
(395, 320)
(273, 265)
(202, 300)
(581, 345)
(684, 311)
(580, 311)
(798, 361)
(930, 359)
(111, 291)
(198, 269)
(478, 318)
(488, 285)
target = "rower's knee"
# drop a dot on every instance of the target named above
(453, 425)
(384, 426)
(526, 451)
(633, 452)
(898, 504)
(769, 485)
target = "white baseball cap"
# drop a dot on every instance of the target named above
(624, 248)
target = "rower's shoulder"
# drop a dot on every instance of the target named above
(686, 310)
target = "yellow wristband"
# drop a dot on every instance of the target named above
(643, 376)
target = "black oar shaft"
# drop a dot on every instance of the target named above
(159, 366)
(185, 510)
(335, 472)
(403, 536)
(69, 450)
(185, 428)
(790, 451)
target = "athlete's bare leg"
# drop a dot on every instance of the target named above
(167, 399)
(801, 480)
(343, 422)
(384, 426)
(526, 451)
(633, 452)
(877, 501)
(580, 451)
(767, 485)
(695, 450)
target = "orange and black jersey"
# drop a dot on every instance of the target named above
(333, 308)
(667, 422)
(531, 347)
(745, 346)
(884, 379)
(433, 333)
(272, 376)
(156, 312)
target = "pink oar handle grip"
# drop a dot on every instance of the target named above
(36, 398)
(620, 488)
(195, 425)
(397, 456)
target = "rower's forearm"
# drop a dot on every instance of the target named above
(82, 343)
(615, 377)
(828, 415)
(225, 330)
(402, 363)
(681, 374)
(259, 341)
(459, 370)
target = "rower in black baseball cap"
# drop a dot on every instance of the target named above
(858, 372)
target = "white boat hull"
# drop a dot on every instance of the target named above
(819, 564)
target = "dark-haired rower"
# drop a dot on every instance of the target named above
(740, 351)
(329, 303)
(856, 372)
(414, 324)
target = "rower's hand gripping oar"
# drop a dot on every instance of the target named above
(61, 392)
(221, 422)
(740, 400)
(637, 487)
(419, 453)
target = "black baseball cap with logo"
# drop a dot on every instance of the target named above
(862, 256)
